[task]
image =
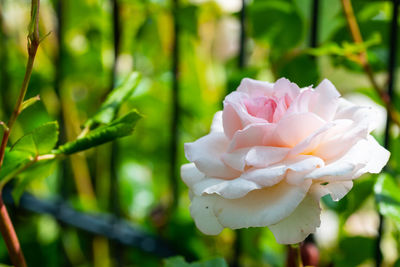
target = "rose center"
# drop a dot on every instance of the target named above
(261, 107)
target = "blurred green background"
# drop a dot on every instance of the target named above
(94, 44)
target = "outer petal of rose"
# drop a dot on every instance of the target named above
(335, 145)
(206, 154)
(216, 125)
(377, 155)
(252, 135)
(263, 156)
(302, 222)
(326, 102)
(365, 156)
(297, 127)
(190, 174)
(273, 174)
(258, 156)
(297, 171)
(360, 114)
(202, 211)
(229, 189)
(255, 88)
(301, 104)
(337, 190)
(260, 207)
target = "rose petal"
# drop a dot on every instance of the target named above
(303, 221)
(304, 165)
(206, 154)
(202, 212)
(337, 190)
(255, 88)
(295, 128)
(236, 159)
(190, 174)
(260, 207)
(283, 87)
(252, 135)
(326, 102)
(229, 189)
(262, 156)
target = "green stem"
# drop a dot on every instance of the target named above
(6, 227)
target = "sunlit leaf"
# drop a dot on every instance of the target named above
(40, 141)
(110, 107)
(118, 128)
(387, 193)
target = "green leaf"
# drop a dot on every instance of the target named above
(277, 23)
(110, 107)
(13, 162)
(354, 251)
(179, 261)
(40, 141)
(39, 170)
(387, 194)
(118, 128)
(29, 102)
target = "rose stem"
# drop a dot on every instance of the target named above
(363, 60)
(6, 227)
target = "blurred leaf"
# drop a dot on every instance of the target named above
(29, 102)
(188, 19)
(39, 170)
(302, 70)
(40, 141)
(354, 251)
(110, 107)
(387, 193)
(116, 129)
(13, 162)
(179, 261)
(276, 22)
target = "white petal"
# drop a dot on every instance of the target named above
(260, 207)
(229, 189)
(295, 128)
(206, 154)
(326, 102)
(302, 222)
(252, 135)
(304, 165)
(236, 159)
(190, 174)
(263, 156)
(202, 212)
(216, 125)
(337, 190)
(255, 87)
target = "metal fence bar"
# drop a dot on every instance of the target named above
(98, 224)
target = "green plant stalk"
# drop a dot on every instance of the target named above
(6, 227)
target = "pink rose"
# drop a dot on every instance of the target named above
(273, 152)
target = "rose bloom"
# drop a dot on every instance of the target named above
(273, 152)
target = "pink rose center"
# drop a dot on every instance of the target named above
(261, 107)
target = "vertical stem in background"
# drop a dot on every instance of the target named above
(314, 24)
(6, 227)
(241, 65)
(390, 92)
(173, 174)
(242, 40)
(4, 74)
